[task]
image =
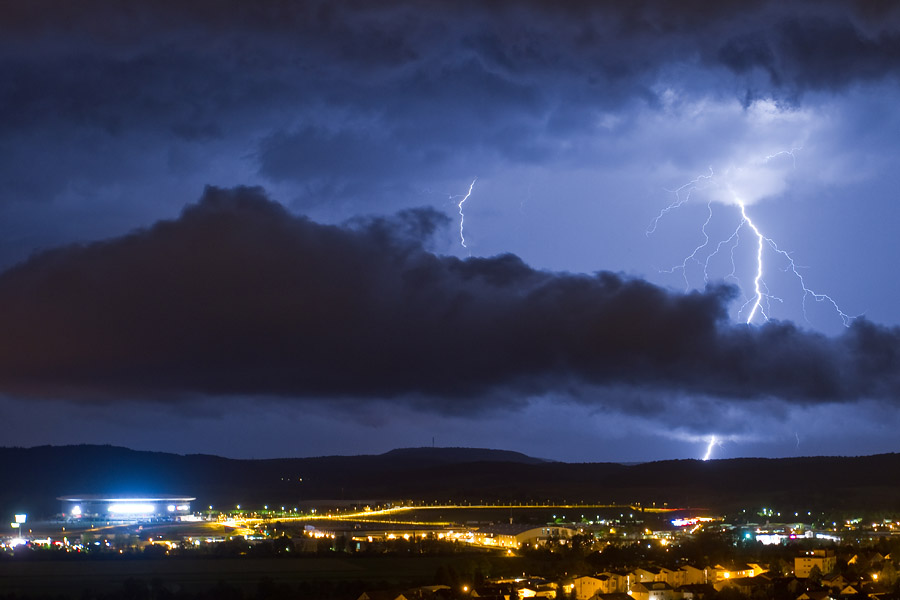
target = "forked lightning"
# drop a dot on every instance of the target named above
(758, 304)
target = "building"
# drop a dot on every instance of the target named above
(515, 536)
(835, 581)
(652, 590)
(750, 587)
(823, 558)
(721, 573)
(381, 595)
(673, 578)
(694, 576)
(604, 583)
(586, 587)
(126, 508)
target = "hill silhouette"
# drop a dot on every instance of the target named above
(34, 477)
(427, 455)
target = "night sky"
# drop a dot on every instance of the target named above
(262, 229)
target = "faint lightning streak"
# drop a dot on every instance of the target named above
(712, 443)
(679, 201)
(462, 217)
(735, 238)
(693, 255)
(785, 153)
(807, 292)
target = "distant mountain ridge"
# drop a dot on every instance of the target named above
(455, 455)
(34, 477)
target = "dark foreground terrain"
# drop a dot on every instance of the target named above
(340, 576)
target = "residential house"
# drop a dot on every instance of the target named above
(586, 587)
(835, 581)
(673, 578)
(537, 591)
(693, 575)
(721, 573)
(611, 583)
(749, 586)
(696, 591)
(614, 596)
(652, 590)
(382, 595)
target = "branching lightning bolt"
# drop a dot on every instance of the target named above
(462, 217)
(757, 299)
(762, 296)
(759, 303)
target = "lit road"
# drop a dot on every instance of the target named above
(393, 514)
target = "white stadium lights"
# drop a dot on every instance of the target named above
(127, 508)
(131, 509)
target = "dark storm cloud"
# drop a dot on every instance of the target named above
(237, 296)
(404, 88)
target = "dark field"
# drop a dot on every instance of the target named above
(72, 577)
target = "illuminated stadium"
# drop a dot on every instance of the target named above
(126, 508)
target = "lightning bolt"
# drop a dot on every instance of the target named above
(758, 298)
(462, 216)
(713, 441)
(762, 296)
(759, 303)
(785, 153)
(679, 201)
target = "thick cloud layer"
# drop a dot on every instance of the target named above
(341, 97)
(237, 296)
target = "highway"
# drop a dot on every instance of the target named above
(393, 514)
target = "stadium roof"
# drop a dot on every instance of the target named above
(106, 498)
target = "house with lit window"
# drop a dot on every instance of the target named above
(721, 573)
